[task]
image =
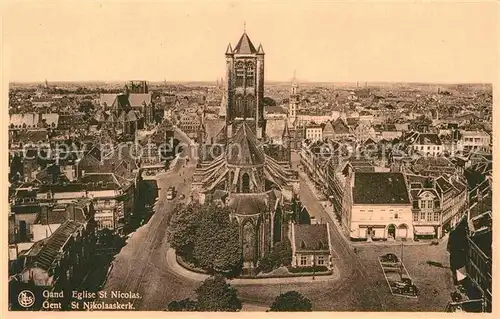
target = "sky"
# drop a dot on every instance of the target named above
(186, 41)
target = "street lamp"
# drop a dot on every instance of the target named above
(313, 260)
(401, 261)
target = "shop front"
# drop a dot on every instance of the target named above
(425, 232)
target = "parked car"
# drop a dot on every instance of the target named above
(171, 192)
(409, 290)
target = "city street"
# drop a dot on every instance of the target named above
(366, 283)
(141, 265)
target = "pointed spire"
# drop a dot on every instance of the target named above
(244, 27)
(229, 49)
(260, 50)
(245, 46)
(286, 131)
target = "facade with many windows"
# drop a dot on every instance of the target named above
(376, 206)
(437, 204)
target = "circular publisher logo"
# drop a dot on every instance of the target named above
(26, 298)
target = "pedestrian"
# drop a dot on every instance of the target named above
(355, 250)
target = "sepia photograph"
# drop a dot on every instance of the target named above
(249, 156)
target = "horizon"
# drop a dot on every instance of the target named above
(324, 42)
(361, 83)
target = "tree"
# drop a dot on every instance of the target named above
(182, 305)
(269, 101)
(280, 255)
(215, 294)
(217, 247)
(181, 232)
(291, 301)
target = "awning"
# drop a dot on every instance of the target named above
(424, 230)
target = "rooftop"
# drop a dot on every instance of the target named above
(311, 237)
(45, 252)
(380, 188)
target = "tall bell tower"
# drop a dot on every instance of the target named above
(245, 87)
(293, 102)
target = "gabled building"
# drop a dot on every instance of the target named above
(427, 144)
(311, 245)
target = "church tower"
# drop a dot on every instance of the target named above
(245, 87)
(293, 102)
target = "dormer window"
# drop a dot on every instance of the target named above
(302, 245)
(320, 245)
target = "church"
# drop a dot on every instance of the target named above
(238, 166)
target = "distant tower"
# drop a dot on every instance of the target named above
(46, 84)
(245, 87)
(293, 102)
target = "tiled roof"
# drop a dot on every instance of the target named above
(213, 128)
(444, 184)
(248, 204)
(428, 139)
(311, 237)
(352, 121)
(39, 135)
(47, 252)
(60, 213)
(380, 188)
(245, 46)
(101, 178)
(433, 163)
(107, 98)
(62, 188)
(25, 209)
(340, 127)
(70, 121)
(244, 150)
(138, 99)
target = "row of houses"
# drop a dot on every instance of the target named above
(377, 199)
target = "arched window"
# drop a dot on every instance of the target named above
(238, 112)
(249, 107)
(240, 73)
(250, 72)
(245, 183)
